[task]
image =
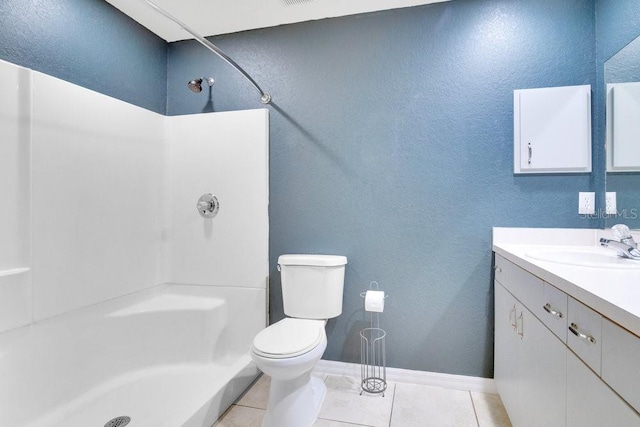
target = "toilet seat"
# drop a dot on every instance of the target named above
(289, 337)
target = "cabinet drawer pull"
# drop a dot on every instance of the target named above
(497, 269)
(530, 153)
(548, 309)
(512, 312)
(574, 330)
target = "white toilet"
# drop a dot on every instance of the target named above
(287, 351)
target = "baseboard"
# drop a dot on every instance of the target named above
(454, 382)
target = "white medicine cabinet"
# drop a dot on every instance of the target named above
(552, 130)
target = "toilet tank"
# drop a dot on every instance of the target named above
(312, 285)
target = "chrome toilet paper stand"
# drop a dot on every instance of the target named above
(373, 361)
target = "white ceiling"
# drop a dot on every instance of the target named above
(212, 17)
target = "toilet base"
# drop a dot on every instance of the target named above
(295, 402)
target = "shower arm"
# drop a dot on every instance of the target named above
(265, 98)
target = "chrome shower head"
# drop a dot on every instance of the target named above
(196, 84)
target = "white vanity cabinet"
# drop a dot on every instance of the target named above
(549, 353)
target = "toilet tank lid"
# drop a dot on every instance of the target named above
(313, 260)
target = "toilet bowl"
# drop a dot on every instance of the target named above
(295, 397)
(287, 351)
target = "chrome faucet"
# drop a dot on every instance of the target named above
(625, 246)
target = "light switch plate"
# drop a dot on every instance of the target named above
(587, 203)
(610, 203)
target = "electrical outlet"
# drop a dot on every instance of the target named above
(587, 203)
(610, 204)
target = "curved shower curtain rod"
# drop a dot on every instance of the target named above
(265, 98)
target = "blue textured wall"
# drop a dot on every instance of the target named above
(392, 144)
(617, 25)
(391, 140)
(89, 43)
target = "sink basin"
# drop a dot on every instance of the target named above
(586, 257)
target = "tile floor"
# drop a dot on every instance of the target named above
(404, 405)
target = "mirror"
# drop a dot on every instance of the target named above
(622, 79)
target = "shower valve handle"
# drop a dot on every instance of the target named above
(208, 205)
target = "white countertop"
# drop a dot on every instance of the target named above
(613, 292)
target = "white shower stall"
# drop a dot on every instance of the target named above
(117, 299)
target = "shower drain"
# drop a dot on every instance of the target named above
(118, 422)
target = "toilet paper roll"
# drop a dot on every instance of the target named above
(374, 301)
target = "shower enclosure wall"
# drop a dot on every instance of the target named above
(116, 297)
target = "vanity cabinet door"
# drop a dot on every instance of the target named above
(590, 402)
(543, 373)
(621, 362)
(506, 352)
(530, 365)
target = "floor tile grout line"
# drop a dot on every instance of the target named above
(475, 412)
(345, 422)
(393, 401)
(216, 422)
(244, 405)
